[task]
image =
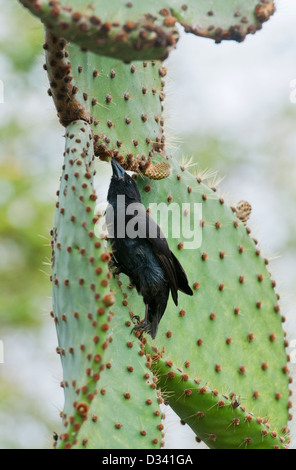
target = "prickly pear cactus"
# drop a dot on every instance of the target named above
(219, 358)
(142, 30)
(105, 380)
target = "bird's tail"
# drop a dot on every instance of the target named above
(155, 313)
(152, 325)
(182, 280)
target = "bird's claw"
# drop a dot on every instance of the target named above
(139, 328)
(114, 266)
(137, 318)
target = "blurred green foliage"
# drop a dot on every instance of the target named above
(27, 205)
(25, 218)
(25, 36)
(24, 224)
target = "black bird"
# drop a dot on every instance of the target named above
(144, 256)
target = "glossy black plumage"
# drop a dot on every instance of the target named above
(144, 256)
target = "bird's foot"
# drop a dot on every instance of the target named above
(116, 272)
(114, 267)
(139, 328)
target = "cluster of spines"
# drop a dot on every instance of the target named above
(59, 68)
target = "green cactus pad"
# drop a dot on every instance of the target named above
(141, 30)
(125, 414)
(125, 102)
(94, 341)
(122, 102)
(229, 334)
(221, 421)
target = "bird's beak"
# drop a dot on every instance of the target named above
(118, 171)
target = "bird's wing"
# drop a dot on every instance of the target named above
(173, 270)
(183, 285)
